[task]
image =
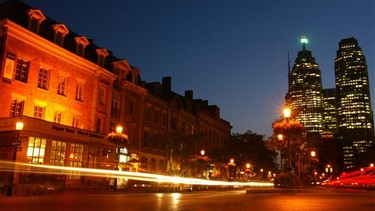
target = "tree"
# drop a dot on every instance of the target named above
(250, 147)
(292, 131)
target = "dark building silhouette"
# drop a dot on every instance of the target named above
(354, 112)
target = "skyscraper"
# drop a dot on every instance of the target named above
(355, 117)
(305, 90)
(329, 110)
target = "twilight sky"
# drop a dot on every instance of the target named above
(233, 53)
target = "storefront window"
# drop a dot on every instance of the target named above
(93, 156)
(36, 150)
(75, 159)
(58, 152)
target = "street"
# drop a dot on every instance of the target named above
(319, 199)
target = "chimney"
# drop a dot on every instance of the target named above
(189, 95)
(166, 85)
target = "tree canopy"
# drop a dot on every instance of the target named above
(250, 147)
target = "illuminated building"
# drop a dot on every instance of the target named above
(305, 91)
(329, 110)
(70, 94)
(354, 112)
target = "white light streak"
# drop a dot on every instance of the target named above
(49, 169)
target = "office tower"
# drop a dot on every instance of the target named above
(355, 117)
(305, 90)
(329, 110)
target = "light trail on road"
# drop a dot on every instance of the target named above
(64, 170)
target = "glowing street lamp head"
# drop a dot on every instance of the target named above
(19, 125)
(287, 112)
(203, 152)
(313, 153)
(231, 161)
(119, 129)
(280, 137)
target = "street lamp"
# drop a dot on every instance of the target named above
(248, 165)
(119, 129)
(203, 152)
(287, 113)
(119, 139)
(313, 153)
(19, 127)
(231, 161)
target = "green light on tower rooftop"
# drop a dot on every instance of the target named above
(304, 40)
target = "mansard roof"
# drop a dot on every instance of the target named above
(17, 11)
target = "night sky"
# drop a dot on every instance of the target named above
(233, 53)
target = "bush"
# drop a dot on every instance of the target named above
(288, 180)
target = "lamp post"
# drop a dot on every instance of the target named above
(287, 113)
(202, 163)
(19, 127)
(119, 129)
(119, 139)
(280, 137)
(232, 169)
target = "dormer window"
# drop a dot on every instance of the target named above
(35, 19)
(60, 32)
(134, 76)
(82, 42)
(102, 54)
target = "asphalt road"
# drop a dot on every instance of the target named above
(321, 199)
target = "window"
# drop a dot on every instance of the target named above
(80, 50)
(115, 108)
(93, 156)
(164, 120)
(60, 32)
(57, 117)
(36, 149)
(174, 123)
(39, 112)
(75, 159)
(101, 60)
(34, 25)
(98, 126)
(16, 108)
(144, 162)
(81, 42)
(43, 78)
(61, 86)
(102, 54)
(35, 19)
(101, 95)
(161, 165)
(132, 107)
(153, 164)
(22, 70)
(58, 151)
(75, 122)
(59, 38)
(148, 114)
(79, 91)
(156, 117)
